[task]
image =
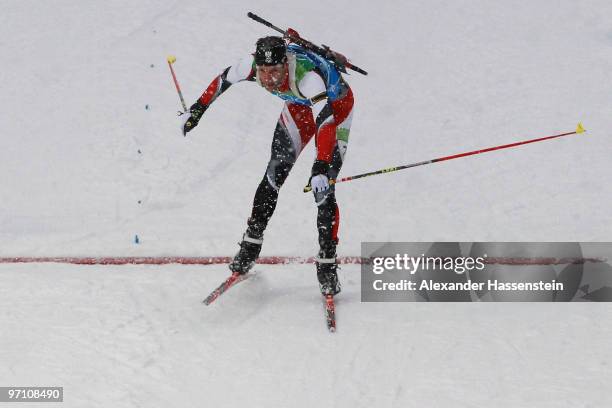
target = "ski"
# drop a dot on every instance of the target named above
(229, 282)
(330, 313)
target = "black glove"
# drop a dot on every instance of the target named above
(192, 117)
(319, 167)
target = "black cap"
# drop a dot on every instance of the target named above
(270, 51)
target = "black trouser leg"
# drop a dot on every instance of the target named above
(266, 197)
(282, 157)
(327, 224)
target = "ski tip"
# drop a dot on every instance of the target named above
(171, 59)
(580, 128)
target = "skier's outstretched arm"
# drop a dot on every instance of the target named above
(242, 71)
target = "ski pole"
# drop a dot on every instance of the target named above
(579, 129)
(338, 59)
(172, 60)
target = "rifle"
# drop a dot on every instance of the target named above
(339, 60)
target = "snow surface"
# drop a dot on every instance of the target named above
(445, 77)
(85, 167)
(136, 336)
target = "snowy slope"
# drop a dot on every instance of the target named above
(84, 167)
(445, 77)
(139, 337)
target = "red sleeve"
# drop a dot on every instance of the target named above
(216, 88)
(326, 134)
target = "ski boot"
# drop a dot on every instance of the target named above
(245, 258)
(328, 276)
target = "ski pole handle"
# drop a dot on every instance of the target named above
(171, 60)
